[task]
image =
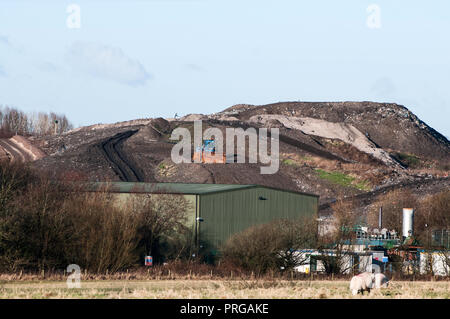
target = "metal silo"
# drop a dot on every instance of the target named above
(408, 222)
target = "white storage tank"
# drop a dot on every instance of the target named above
(408, 222)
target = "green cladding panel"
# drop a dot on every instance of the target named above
(229, 212)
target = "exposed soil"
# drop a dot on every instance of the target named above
(18, 148)
(389, 125)
(315, 156)
(112, 149)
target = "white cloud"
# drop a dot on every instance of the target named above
(106, 62)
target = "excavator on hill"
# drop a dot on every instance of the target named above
(206, 153)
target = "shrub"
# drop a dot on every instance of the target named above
(35, 228)
(432, 214)
(409, 160)
(105, 235)
(272, 246)
(47, 225)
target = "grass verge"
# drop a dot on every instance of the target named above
(343, 179)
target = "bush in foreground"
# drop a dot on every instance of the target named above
(48, 225)
(271, 247)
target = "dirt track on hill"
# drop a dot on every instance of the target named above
(121, 164)
(15, 153)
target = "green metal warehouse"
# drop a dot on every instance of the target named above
(220, 210)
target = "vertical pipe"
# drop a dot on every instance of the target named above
(196, 226)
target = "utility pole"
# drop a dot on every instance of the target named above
(56, 127)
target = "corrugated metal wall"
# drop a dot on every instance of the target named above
(230, 212)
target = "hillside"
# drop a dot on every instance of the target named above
(327, 148)
(391, 126)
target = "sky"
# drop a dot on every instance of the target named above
(104, 61)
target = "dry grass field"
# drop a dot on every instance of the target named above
(220, 289)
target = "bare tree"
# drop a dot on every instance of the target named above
(14, 121)
(432, 214)
(296, 236)
(275, 246)
(335, 250)
(161, 217)
(46, 224)
(431, 227)
(47, 124)
(105, 233)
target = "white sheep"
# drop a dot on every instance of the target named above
(361, 283)
(381, 281)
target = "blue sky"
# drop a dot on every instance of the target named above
(133, 59)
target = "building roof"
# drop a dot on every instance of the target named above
(168, 188)
(172, 188)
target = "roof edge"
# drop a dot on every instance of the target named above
(161, 191)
